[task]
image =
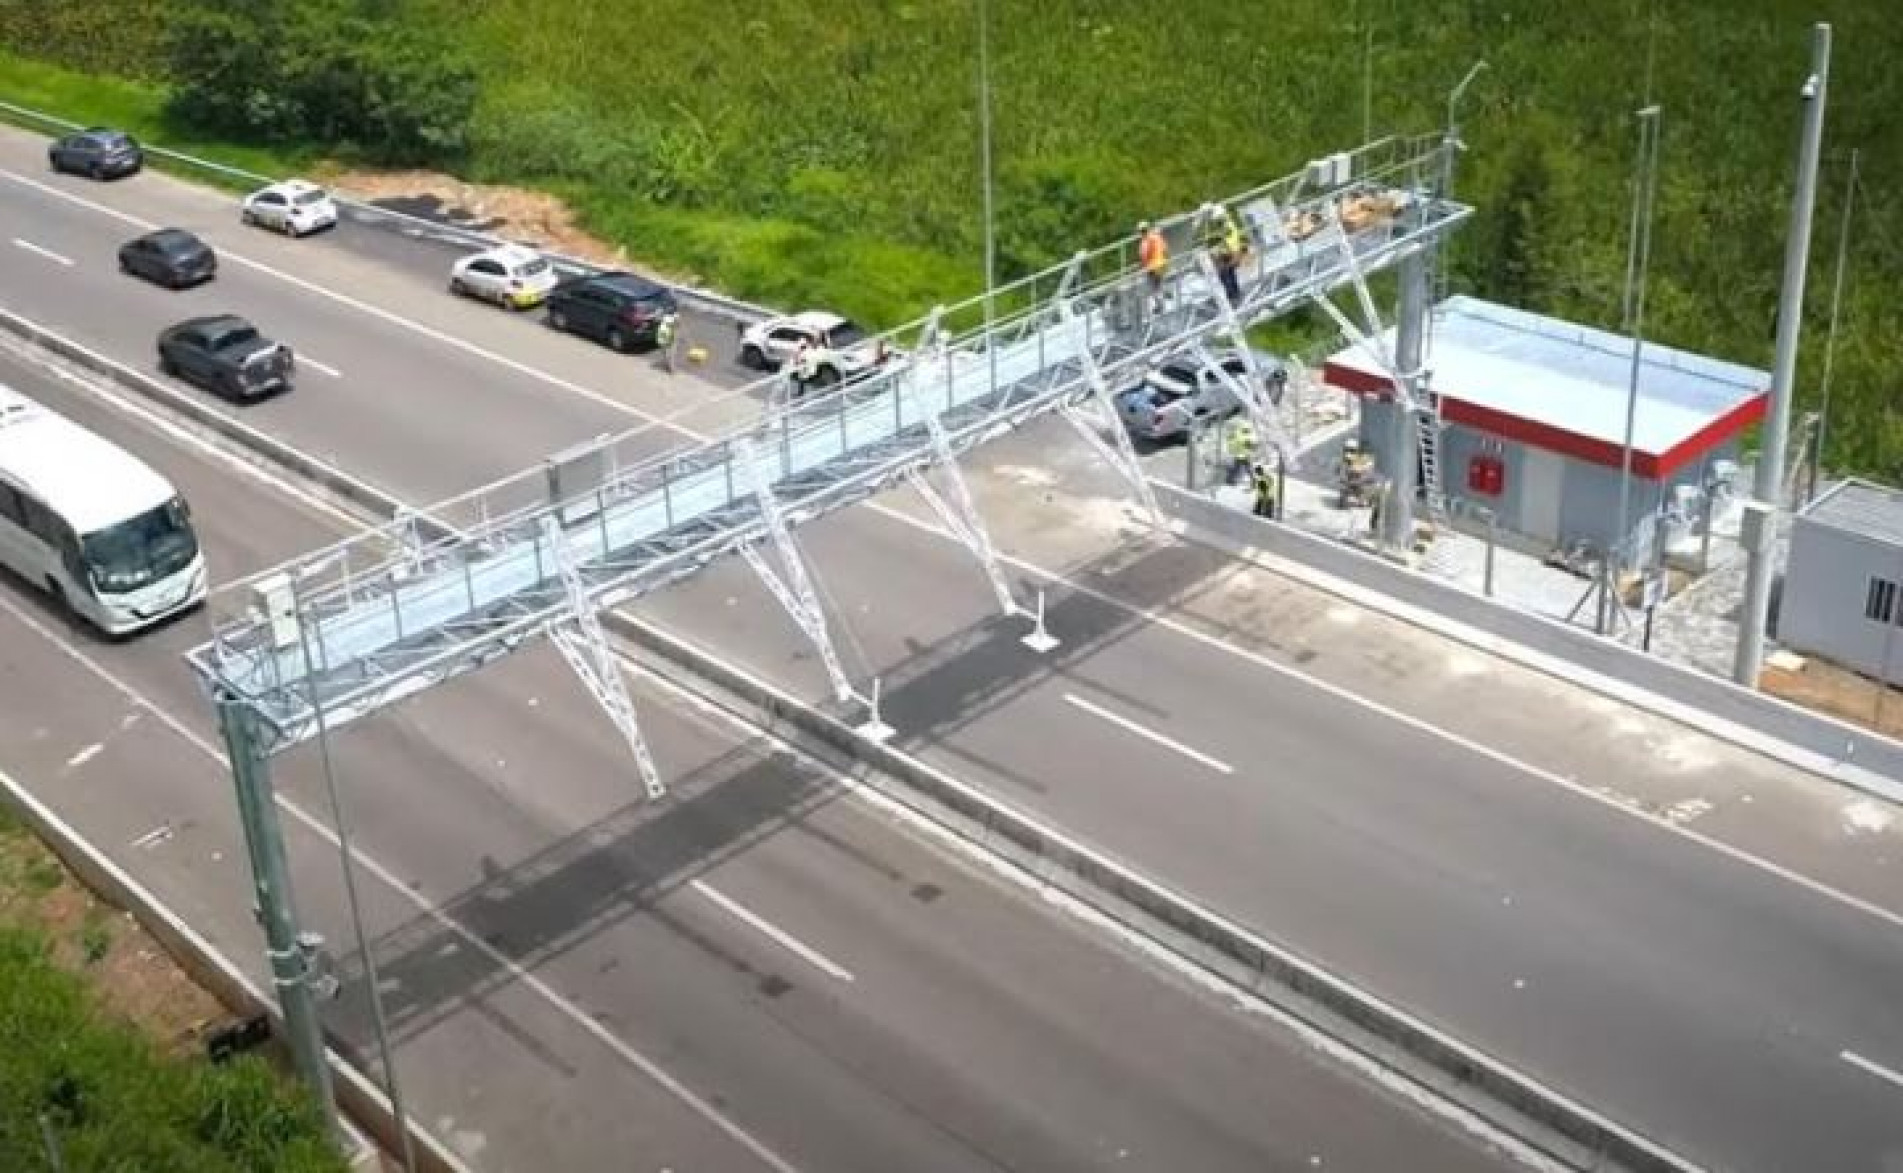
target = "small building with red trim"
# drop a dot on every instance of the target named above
(1534, 415)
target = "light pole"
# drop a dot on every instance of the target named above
(984, 133)
(1759, 532)
(1637, 266)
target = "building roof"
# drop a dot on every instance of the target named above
(1859, 507)
(91, 482)
(1563, 387)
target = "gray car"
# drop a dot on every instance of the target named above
(99, 152)
(1187, 391)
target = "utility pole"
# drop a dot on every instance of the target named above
(1759, 532)
(1637, 268)
(291, 954)
(1830, 338)
(984, 151)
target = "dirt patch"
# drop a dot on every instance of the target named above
(531, 217)
(1839, 692)
(133, 977)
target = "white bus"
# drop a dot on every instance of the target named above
(91, 524)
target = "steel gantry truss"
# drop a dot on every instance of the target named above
(385, 614)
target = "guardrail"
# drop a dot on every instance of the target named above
(1798, 737)
(1541, 1117)
(376, 216)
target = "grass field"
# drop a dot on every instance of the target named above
(98, 1045)
(829, 154)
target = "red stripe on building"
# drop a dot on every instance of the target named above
(1652, 466)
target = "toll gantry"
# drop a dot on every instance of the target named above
(339, 633)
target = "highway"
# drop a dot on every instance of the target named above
(758, 974)
(1499, 853)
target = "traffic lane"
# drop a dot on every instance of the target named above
(349, 263)
(1199, 768)
(423, 419)
(496, 1079)
(1056, 503)
(487, 790)
(243, 527)
(426, 254)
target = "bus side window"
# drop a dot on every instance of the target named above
(41, 523)
(12, 505)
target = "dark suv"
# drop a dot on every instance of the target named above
(98, 152)
(226, 355)
(620, 309)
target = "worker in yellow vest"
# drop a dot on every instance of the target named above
(1153, 255)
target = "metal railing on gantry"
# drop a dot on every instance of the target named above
(349, 629)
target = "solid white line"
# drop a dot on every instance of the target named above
(1872, 1067)
(450, 340)
(575, 1015)
(305, 360)
(774, 933)
(48, 253)
(1152, 616)
(1215, 764)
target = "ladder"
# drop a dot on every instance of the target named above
(1428, 426)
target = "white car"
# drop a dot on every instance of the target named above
(845, 350)
(293, 207)
(509, 275)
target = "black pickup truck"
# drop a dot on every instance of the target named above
(226, 356)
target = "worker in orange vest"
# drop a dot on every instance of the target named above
(1153, 255)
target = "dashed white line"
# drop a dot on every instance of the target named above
(85, 755)
(377, 312)
(1194, 755)
(305, 360)
(580, 1018)
(48, 253)
(1152, 615)
(773, 932)
(1872, 1067)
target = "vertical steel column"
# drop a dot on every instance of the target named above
(277, 908)
(1410, 334)
(1762, 540)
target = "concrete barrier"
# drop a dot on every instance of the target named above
(1491, 1090)
(360, 1100)
(1785, 732)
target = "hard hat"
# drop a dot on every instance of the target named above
(1143, 225)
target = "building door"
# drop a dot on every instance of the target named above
(1541, 475)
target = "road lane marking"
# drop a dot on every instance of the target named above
(1872, 1067)
(305, 360)
(529, 980)
(48, 253)
(1216, 764)
(1152, 616)
(85, 755)
(774, 933)
(374, 311)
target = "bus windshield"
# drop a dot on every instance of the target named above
(142, 550)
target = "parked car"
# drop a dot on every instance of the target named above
(226, 355)
(845, 349)
(1186, 391)
(172, 257)
(294, 207)
(620, 309)
(509, 275)
(99, 152)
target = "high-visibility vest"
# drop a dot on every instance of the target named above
(1232, 241)
(1154, 252)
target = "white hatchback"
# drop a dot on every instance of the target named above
(293, 207)
(509, 275)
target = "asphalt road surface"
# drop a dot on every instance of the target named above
(760, 973)
(1485, 847)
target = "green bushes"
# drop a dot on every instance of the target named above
(320, 70)
(111, 1103)
(728, 137)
